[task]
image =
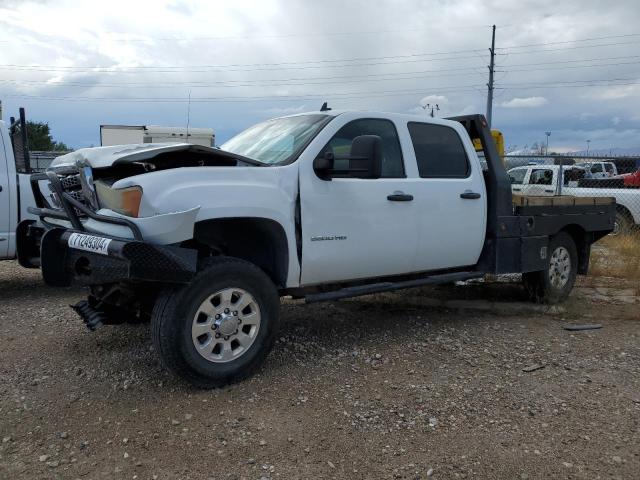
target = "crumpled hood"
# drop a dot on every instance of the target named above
(100, 157)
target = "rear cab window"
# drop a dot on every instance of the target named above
(439, 151)
(541, 176)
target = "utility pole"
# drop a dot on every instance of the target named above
(491, 68)
(588, 144)
(548, 134)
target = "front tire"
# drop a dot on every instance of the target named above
(554, 283)
(220, 327)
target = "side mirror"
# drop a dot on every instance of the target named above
(366, 156)
(364, 161)
(323, 165)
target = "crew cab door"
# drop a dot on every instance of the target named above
(354, 227)
(450, 196)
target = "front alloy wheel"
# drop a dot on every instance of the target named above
(226, 325)
(220, 327)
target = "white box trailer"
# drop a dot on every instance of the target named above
(127, 134)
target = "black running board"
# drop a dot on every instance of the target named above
(360, 290)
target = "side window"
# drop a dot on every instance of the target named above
(541, 176)
(340, 144)
(439, 151)
(596, 168)
(517, 176)
(609, 168)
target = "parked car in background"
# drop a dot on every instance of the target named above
(543, 180)
(631, 179)
(600, 169)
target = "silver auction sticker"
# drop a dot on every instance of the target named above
(89, 243)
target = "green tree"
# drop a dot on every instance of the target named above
(40, 139)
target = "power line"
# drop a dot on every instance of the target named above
(341, 95)
(569, 67)
(245, 83)
(338, 95)
(174, 38)
(395, 59)
(308, 62)
(571, 61)
(570, 41)
(571, 48)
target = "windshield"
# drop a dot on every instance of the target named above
(276, 141)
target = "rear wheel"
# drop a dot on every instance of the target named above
(555, 282)
(622, 225)
(219, 328)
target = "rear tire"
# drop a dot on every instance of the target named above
(623, 224)
(199, 334)
(554, 283)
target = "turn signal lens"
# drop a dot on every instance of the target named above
(125, 201)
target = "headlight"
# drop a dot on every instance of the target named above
(125, 201)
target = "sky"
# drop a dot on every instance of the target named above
(570, 68)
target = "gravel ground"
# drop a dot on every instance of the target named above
(388, 386)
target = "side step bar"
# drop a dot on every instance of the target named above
(360, 290)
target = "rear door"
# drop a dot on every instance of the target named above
(5, 196)
(352, 227)
(450, 196)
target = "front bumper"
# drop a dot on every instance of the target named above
(122, 260)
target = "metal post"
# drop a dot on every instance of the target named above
(548, 134)
(25, 141)
(490, 84)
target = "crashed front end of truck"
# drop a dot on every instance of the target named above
(93, 231)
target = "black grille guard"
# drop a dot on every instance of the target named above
(69, 207)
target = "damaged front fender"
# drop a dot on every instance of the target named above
(162, 229)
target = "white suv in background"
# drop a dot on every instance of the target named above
(600, 169)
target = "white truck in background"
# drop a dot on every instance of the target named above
(544, 180)
(16, 194)
(130, 134)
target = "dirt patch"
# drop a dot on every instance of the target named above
(385, 386)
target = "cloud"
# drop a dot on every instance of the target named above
(527, 102)
(431, 99)
(282, 111)
(243, 61)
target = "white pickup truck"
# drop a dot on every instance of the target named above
(321, 206)
(16, 195)
(545, 180)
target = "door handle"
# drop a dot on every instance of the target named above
(470, 195)
(549, 191)
(399, 197)
(517, 189)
